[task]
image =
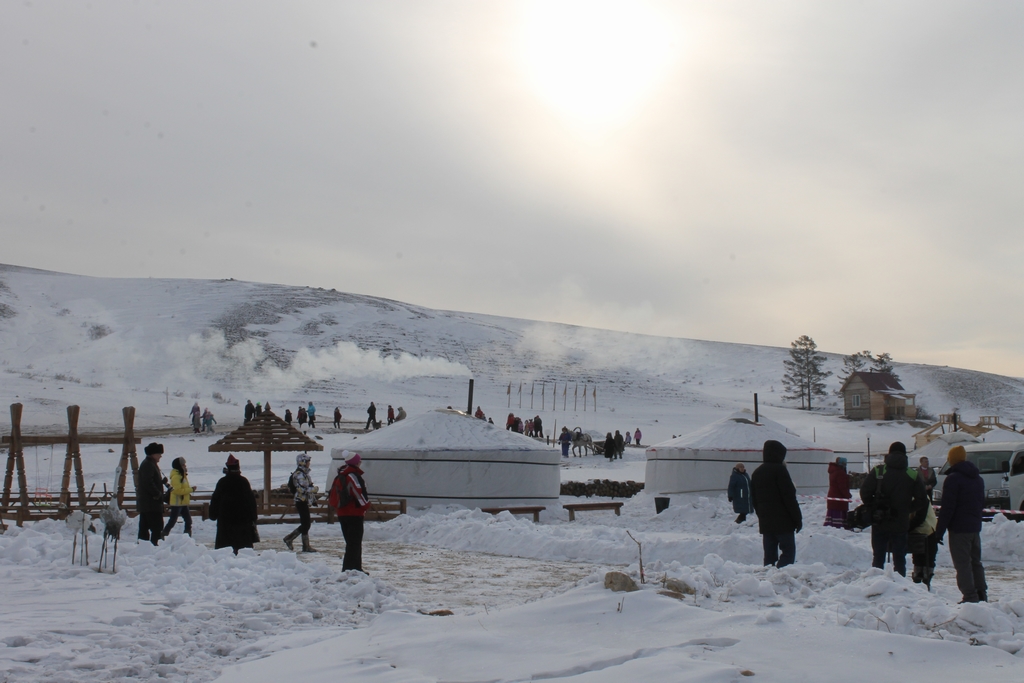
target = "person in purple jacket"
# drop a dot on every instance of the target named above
(963, 498)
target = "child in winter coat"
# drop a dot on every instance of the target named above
(924, 546)
(181, 494)
(739, 492)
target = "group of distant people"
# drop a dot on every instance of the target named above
(533, 427)
(307, 415)
(202, 420)
(895, 496)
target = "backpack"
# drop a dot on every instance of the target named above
(339, 496)
(859, 518)
(292, 488)
(882, 510)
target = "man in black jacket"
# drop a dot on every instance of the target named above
(778, 513)
(963, 499)
(149, 495)
(895, 494)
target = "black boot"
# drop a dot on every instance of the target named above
(918, 574)
(927, 577)
(289, 538)
(306, 547)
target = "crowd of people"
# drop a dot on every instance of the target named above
(533, 427)
(306, 415)
(897, 501)
(202, 420)
(233, 503)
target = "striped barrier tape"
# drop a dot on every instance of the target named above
(937, 507)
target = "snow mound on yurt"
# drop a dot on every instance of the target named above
(443, 430)
(739, 432)
(701, 461)
(999, 435)
(937, 449)
(446, 457)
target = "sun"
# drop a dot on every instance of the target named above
(595, 62)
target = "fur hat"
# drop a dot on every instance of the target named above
(232, 465)
(774, 448)
(302, 459)
(154, 449)
(956, 454)
(897, 448)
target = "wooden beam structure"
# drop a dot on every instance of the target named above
(266, 433)
(72, 459)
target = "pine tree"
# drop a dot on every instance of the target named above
(855, 362)
(804, 378)
(883, 363)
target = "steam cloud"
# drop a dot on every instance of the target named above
(247, 364)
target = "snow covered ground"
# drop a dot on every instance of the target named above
(528, 599)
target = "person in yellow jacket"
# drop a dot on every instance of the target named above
(181, 494)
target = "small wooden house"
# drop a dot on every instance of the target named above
(877, 396)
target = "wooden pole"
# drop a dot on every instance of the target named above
(16, 459)
(76, 453)
(266, 478)
(129, 454)
(756, 415)
(65, 481)
(469, 410)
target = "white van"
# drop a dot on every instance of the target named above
(1002, 469)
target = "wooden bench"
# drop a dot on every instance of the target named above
(573, 508)
(534, 510)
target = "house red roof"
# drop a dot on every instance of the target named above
(881, 382)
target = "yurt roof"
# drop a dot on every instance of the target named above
(443, 430)
(937, 449)
(739, 432)
(998, 435)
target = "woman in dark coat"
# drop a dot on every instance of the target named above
(233, 507)
(739, 492)
(838, 487)
(609, 446)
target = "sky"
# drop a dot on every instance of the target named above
(740, 172)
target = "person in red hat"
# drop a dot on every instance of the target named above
(233, 507)
(350, 501)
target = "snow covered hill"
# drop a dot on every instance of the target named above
(162, 344)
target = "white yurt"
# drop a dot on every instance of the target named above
(701, 462)
(447, 457)
(937, 450)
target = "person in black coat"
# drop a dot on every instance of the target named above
(778, 513)
(739, 492)
(233, 507)
(250, 411)
(371, 416)
(620, 444)
(149, 495)
(609, 446)
(895, 494)
(963, 499)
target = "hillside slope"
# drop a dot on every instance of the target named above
(160, 344)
